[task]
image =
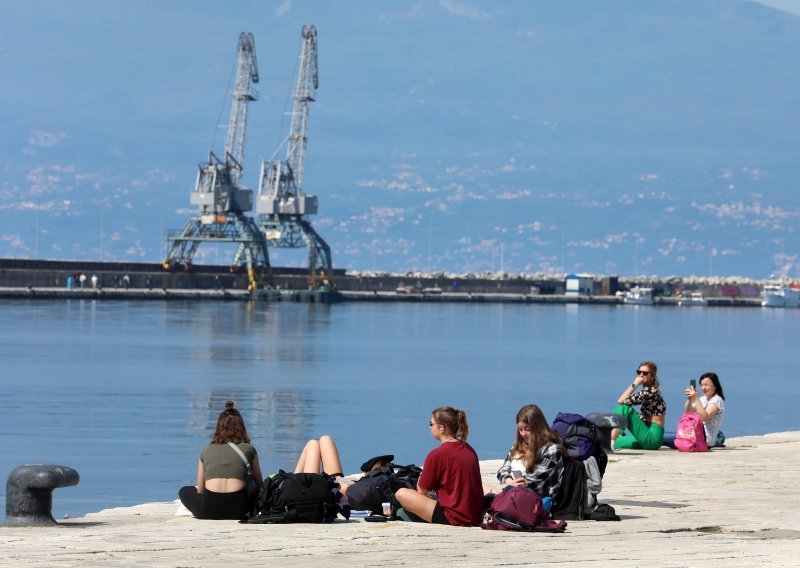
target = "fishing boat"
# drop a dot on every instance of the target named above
(694, 299)
(639, 296)
(778, 296)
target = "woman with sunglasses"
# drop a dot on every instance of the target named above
(646, 427)
(451, 472)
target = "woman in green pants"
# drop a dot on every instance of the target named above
(646, 427)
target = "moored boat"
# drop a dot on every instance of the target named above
(694, 299)
(639, 296)
(778, 296)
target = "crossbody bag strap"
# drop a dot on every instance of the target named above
(244, 458)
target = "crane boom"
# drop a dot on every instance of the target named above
(280, 188)
(307, 83)
(243, 93)
(282, 206)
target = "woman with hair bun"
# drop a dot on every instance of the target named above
(222, 473)
(451, 472)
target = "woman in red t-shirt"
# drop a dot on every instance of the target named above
(451, 472)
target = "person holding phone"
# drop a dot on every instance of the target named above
(710, 406)
(536, 460)
(647, 426)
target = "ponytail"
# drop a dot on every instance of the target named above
(454, 421)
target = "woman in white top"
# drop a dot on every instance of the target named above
(710, 406)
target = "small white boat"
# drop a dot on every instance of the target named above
(639, 296)
(695, 299)
(777, 296)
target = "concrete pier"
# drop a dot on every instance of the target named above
(736, 506)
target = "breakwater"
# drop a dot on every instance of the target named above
(125, 280)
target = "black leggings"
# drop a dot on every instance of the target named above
(210, 505)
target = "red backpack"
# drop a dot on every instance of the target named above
(690, 435)
(520, 509)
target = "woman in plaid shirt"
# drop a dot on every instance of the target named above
(536, 459)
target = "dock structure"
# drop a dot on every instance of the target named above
(736, 506)
(33, 276)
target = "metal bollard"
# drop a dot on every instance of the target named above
(29, 492)
(605, 422)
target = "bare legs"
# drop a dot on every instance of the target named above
(318, 456)
(417, 503)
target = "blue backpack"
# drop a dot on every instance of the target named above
(579, 434)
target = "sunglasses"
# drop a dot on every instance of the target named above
(431, 424)
(643, 373)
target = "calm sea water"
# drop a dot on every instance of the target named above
(128, 392)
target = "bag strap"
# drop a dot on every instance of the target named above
(244, 458)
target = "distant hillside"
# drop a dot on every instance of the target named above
(621, 137)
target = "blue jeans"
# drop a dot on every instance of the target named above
(669, 440)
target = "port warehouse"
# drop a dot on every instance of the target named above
(16, 273)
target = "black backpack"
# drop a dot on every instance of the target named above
(296, 498)
(579, 434)
(379, 486)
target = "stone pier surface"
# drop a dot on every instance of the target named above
(737, 506)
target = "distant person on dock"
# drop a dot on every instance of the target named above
(94, 280)
(451, 473)
(537, 458)
(222, 473)
(710, 407)
(646, 427)
(126, 281)
(82, 280)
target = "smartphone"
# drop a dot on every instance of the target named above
(516, 474)
(693, 383)
(376, 518)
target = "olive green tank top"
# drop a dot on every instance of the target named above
(219, 460)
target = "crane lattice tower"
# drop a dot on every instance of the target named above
(221, 200)
(282, 206)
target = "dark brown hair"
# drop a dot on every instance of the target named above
(230, 427)
(541, 436)
(454, 421)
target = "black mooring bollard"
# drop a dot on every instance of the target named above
(29, 492)
(605, 422)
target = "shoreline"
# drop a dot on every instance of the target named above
(328, 297)
(733, 506)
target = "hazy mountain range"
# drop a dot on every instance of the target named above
(619, 137)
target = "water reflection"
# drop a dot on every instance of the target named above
(277, 420)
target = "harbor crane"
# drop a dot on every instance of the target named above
(221, 200)
(281, 204)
